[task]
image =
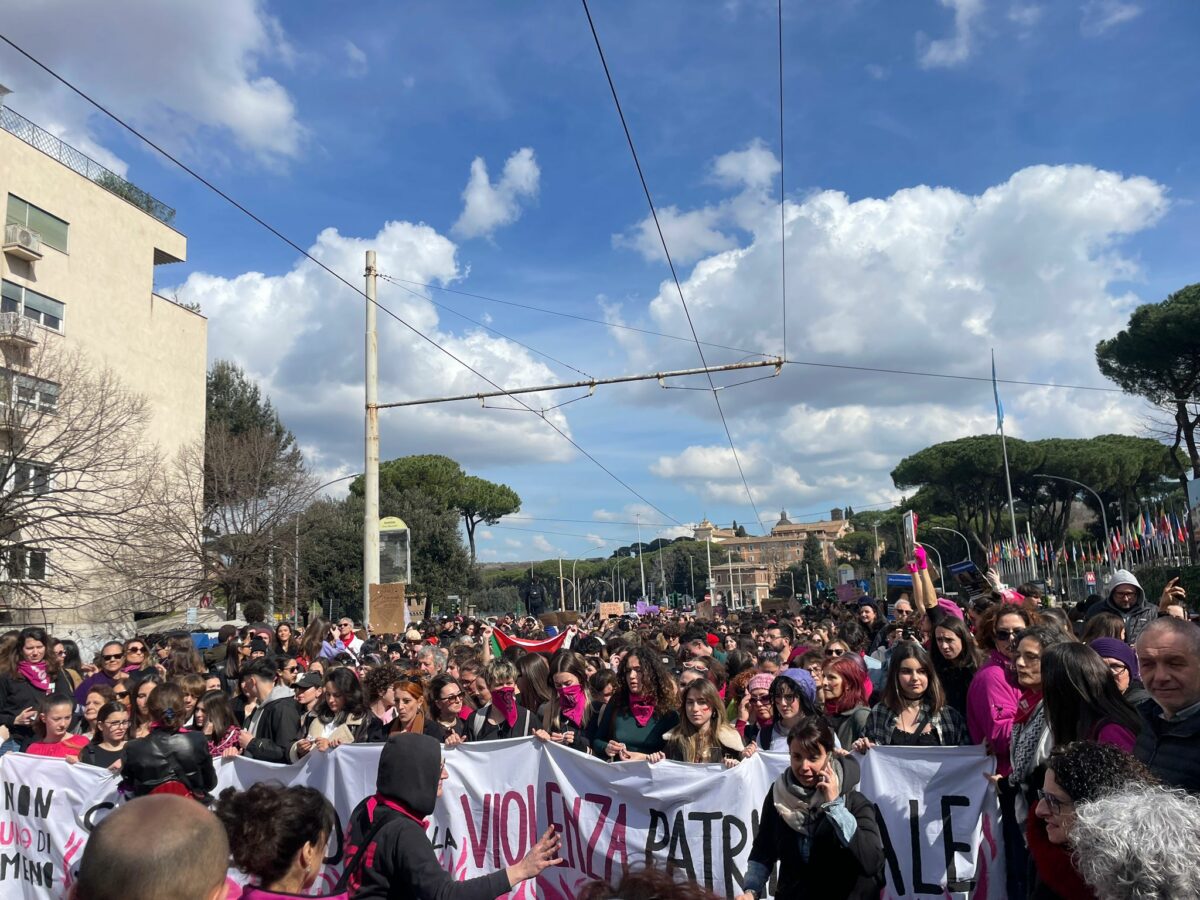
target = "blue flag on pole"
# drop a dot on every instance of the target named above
(996, 393)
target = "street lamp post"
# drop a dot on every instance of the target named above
(1103, 514)
(692, 578)
(959, 533)
(792, 579)
(939, 559)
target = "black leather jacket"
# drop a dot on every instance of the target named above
(163, 757)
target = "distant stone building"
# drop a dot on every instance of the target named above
(762, 558)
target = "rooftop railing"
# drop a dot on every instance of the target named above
(40, 139)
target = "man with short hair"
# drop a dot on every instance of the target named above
(902, 611)
(781, 638)
(1126, 599)
(431, 660)
(256, 615)
(1168, 653)
(275, 723)
(155, 848)
(112, 662)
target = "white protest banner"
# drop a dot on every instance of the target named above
(940, 821)
(499, 797)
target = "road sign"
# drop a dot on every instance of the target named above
(1090, 578)
(864, 585)
(820, 585)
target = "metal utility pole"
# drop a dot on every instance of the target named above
(708, 553)
(808, 582)
(641, 553)
(1099, 503)
(879, 592)
(562, 587)
(960, 534)
(371, 470)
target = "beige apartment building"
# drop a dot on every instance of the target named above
(747, 580)
(80, 251)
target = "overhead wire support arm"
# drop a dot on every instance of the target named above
(591, 384)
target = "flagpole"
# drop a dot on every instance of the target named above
(1012, 514)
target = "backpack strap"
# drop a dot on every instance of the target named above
(356, 860)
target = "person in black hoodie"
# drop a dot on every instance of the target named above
(821, 831)
(388, 852)
(275, 723)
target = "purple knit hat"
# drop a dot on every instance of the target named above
(804, 679)
(1112, 648)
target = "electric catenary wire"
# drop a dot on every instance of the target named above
(782, 204)
(281, 236)
(494, 331)
(576, 317)
(670, 262)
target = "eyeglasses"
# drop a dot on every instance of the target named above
(1054, 804)
(345, 624)
(765, 698)
(120, 695)
(1118, 668)
(786, 699)
(453, 698)
(834, 651)
(61, 654)
(291, 668)
(109, 657)
(135, 650)
(1007, 634)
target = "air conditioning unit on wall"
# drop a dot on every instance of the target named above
(23, 242)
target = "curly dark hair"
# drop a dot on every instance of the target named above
(268, 823)
(656, 681)
(377, 680)
(985, 631)
(1087, 770)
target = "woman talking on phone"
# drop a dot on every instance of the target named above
(814, 823)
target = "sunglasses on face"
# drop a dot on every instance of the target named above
(453, 698)
(120, 695)
(1007, 634)
(109, 657)
(834, 651)
(136, 650)
(291, 668)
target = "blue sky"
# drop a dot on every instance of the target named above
(959, 175)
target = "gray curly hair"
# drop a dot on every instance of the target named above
(1139, 843)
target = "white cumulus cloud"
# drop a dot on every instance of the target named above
(488, 207)
(182, 71)
(298, 333)
(929, 278)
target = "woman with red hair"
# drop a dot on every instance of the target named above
(843, 691)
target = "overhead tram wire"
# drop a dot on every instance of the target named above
(670, 262)
(566, 315)
(285, 239)
(1049, 384)
(782, 204)
(494, 331)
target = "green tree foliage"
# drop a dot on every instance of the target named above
(858, 545)
(443, 480)
(814, 556)
(1157, 356)
(963, 481)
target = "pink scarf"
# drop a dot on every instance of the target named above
(35, 674)
(505, 700)
(572, 701)
(641, 706)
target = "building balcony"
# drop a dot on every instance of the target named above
(22, 242)
(16, 329)
(40, 139)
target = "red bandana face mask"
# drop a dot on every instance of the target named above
(572, 701)
(641, 706)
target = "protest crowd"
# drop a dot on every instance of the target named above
(1092, 715)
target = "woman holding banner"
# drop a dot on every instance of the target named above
(634, 723)
(913, 710)
(564, 717)
(821, 831)
(843, 691)
(703, 735)
(503, 717)
(793, 696)
(33, 675)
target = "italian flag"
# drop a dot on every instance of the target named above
(502, 641)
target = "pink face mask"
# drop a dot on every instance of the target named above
(505, 700)
(571, 699)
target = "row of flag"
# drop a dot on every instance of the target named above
(1149, 535)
